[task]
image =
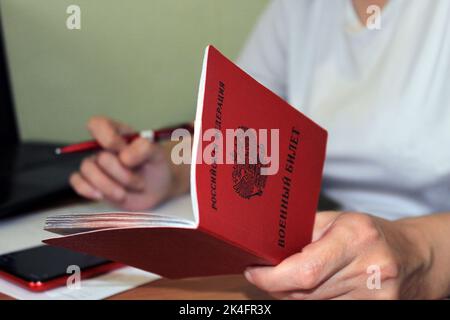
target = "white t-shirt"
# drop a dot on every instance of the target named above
(383, 95)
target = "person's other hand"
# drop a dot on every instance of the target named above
(133, 176)
(343, 261)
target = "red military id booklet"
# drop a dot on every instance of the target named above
(247, 211)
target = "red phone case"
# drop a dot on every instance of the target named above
(60, 281)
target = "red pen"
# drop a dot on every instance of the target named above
(151, 135)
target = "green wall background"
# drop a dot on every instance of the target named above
(137, 60)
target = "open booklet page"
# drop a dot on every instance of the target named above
(177, 213)
(257, 212)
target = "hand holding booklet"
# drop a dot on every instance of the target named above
(244, 213)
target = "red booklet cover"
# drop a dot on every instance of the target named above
(243, 215)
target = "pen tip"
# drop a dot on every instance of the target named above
(58, 151)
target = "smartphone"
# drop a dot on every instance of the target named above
(45, 267)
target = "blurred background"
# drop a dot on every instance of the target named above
(140, 63)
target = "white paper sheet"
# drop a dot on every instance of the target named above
(26, 231)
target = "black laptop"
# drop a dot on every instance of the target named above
(30, 172)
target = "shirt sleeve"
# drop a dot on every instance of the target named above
(264, 56)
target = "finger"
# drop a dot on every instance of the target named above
(388, 291)
(306, 270)
(324, 220)
(91, 172)
(111, 165)
(123, 128)
(138, 152)
(107, 133)
(335, 286)
(83, 188)
(344, 297)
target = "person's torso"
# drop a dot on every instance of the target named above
(384, 97)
